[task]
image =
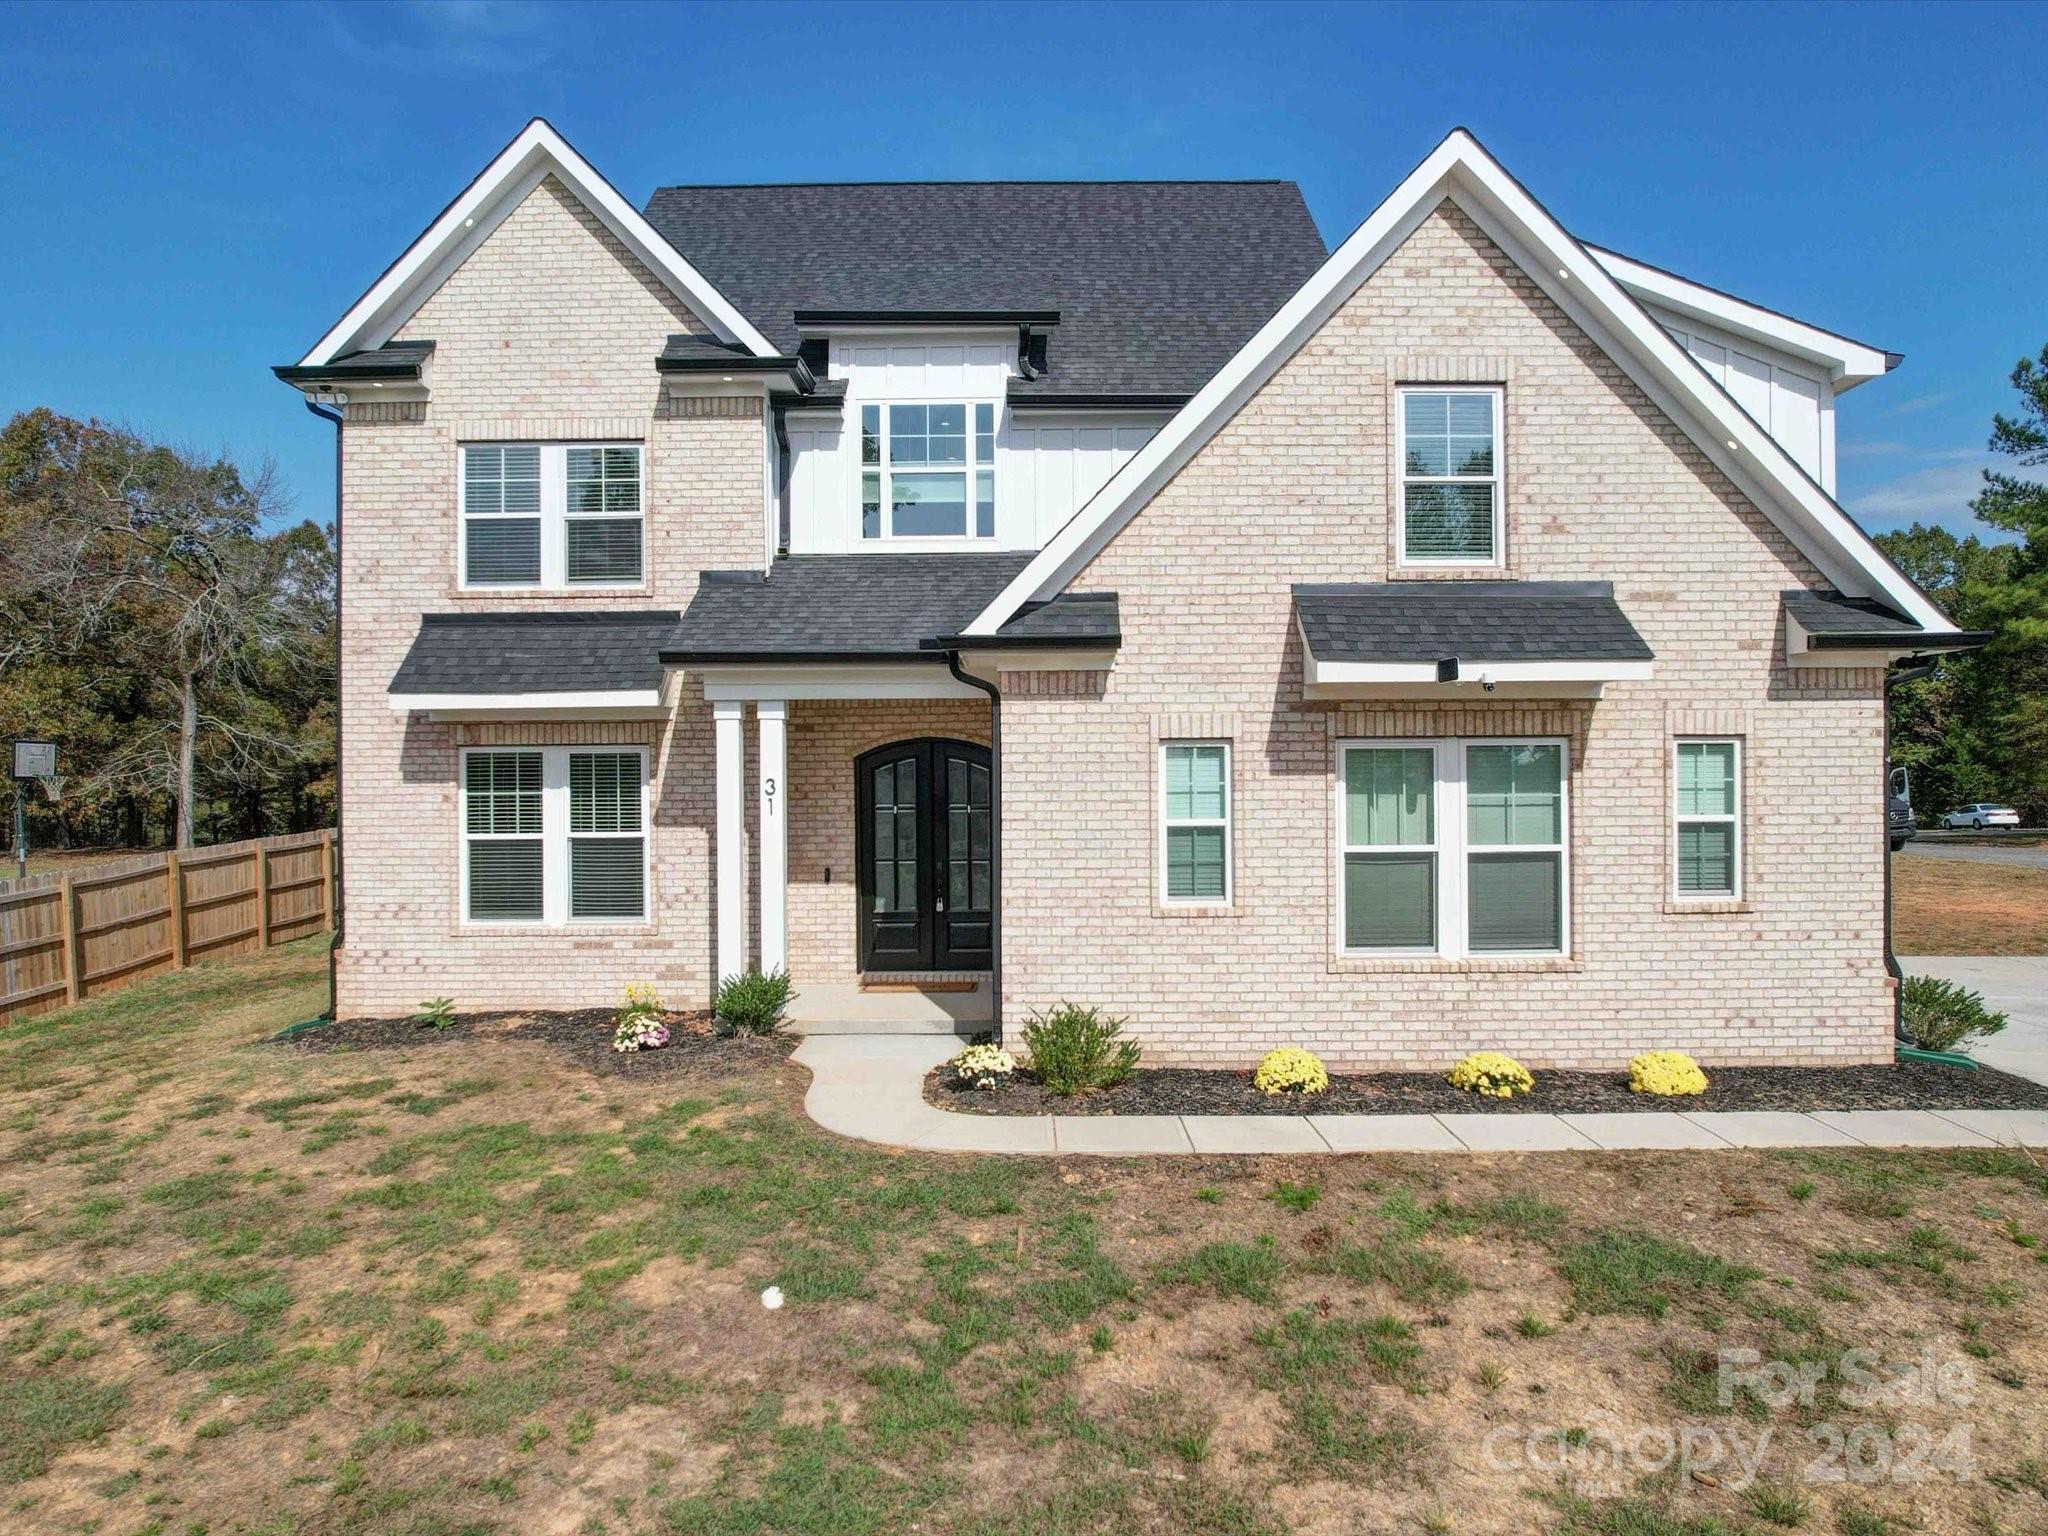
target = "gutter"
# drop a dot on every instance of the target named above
(995, 848)
(340, 893)
(1926, 640)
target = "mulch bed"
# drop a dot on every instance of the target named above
(584, 1033)
(1194, 1091)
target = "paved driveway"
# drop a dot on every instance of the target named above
(2013, 984)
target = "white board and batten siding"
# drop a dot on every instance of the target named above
(1047, 464)
(1790, 399)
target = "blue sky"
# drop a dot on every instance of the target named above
(195, 193)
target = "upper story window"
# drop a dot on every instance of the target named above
(552, 515)
(1450, 511)
(928, 470)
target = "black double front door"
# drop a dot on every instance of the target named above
(927, 884)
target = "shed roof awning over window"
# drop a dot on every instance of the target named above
(587, 666)
(1440, 639)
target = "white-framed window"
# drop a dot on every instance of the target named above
(554, 834)
(1453, 847)
(1706, 845)
(1194, 823)
(1451, 502)
(547, 516)
(928, 469)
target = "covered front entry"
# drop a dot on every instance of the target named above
(923, 833)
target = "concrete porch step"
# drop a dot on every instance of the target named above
(960, 1029)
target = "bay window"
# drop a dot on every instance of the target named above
(1707, 842)
(554, 834)
(551, 515)
(1450, 494)
(1452, 848)
(1194, 784)
(928, 470)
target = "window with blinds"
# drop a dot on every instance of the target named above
(607, 852)
(1195, 822)
(554, 835)
(1453, 848)
(503, 837)
(501, 515)
(1707, 823)
(552, 515)
(1450, 510)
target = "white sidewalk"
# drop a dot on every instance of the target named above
(871, 1088)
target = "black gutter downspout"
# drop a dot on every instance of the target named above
(780, 415)
(1908, 669)
(995, 848)
(340, 885)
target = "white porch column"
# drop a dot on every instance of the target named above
(774, 813)
(729, 722)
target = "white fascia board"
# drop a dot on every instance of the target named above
(1847, 360)
(521, 165)
(1471, 670)
(1461, 169)
(619, 703)
(832, 681)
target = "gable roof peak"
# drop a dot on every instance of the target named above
(535, 153)
(1510, 215)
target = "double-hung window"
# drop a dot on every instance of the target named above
(1707, 844)
(552, 515)
(928, 470)
(1450, 494)
(1194, 783)
(1452, 848)
(554, 834)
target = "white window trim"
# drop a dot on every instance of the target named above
(555, 518)
(1452, 849)
(969, 469)
(1498, 479)
(1733, 818)
(555, 838)
(1167, 822)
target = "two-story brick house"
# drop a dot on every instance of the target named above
(969, 596)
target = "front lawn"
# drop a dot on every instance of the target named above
(476, 1287)
(1963, 907)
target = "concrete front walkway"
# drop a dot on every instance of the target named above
(871, 1087)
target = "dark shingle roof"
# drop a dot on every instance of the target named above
(393, 360)
(1417, 621)
(847, 606)
(1156, 283)
(1072, 618)
(1830, 613)
(534, 653)
(868, 607)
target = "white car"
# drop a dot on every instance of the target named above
(1979, 817)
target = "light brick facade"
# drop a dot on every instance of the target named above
(1297, 488)
(549, 330)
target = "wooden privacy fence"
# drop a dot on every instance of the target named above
(73, 936)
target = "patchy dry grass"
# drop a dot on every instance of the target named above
(246, 1289)
(1959, 907)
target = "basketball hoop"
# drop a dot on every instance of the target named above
(53, 786)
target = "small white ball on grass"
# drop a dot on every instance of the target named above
(772, 1297)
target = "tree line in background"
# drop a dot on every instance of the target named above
(179, 653)
(1978, 729)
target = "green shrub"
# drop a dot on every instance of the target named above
(436, 1013)
(752, 1004)
(1077, 1050)
(1941, 1015)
